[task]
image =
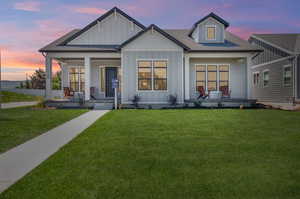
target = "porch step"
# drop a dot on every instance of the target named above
(103, 106)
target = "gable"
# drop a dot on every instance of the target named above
(152, 40)
(113, 30)
(210, 22)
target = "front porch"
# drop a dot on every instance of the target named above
(87, 78)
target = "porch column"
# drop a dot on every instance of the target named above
(249, 76)
(87, 77)
(48, 64)
(62, 77)
(187, 78)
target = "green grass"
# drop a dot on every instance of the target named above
(8, 96)
(174, 154)
(21, 124)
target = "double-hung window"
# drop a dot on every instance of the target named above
(287, 75)
(76, 78)
(266, 78)
(255, 78)
(211, 32)
(212, 77)
(201, 77)
(152, 75)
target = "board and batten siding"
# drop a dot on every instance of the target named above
(269, 54)
(199, 34)
(237, 75)
(113, 30)
(174, 76)
(276, 91)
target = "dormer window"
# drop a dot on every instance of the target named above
(211, 32)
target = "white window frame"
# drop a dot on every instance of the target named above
(284, 67)
(263, 76)
(256, 84)
(206, 32)
(152, 75)
(206, 75)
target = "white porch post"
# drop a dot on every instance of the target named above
(48, 64)
(249, 76)
(62, 76)
(187, 78)
(87, 77)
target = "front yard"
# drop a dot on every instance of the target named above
(174, 154)
(18, 125)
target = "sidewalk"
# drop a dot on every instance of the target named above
(17, 162)
(18, 104)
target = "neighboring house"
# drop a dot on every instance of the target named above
(276, 71)
(151, 62)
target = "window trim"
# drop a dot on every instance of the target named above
(283, 75)
(263, 76)
(206, 32)
(258, 80)
(206, 75)
(152, 75)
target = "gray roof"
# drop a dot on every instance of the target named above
(290, 42)
(232, 44)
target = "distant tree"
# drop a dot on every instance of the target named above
(56, 81)
(38, 79)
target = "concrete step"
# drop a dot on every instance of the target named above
(103, 106)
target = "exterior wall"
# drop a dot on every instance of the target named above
(237, 75)
(298, 78)
(200, 33)
(174, 76)
(111, 31)
(276, 91)
(270, 53)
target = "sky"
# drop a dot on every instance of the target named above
(28, 25)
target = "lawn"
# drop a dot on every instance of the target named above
(21, 124)
(138, 154)
(8, 96)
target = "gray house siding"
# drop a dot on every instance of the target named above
(115, 29)
(276, 91)
(200, 32)
(174, 77)
(270, 53)
(237, 76)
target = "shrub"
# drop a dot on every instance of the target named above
(173, 99)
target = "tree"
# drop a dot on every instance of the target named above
(56, 81)
(38, 79)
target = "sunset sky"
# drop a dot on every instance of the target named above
(28, 25)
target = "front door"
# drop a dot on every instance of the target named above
(110, 74)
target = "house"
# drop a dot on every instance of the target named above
(151, 62)
(276, 71)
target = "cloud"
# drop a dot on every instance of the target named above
(245, 32)
(32, 6)
(89, 10)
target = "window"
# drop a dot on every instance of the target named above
(256, 79)
(76, 78)
(212, 77)
(152, 75)
(211, 32)
(266, 78)
(201, 77)
(287, 75)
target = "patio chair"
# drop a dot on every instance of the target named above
(225, 91)
(202, 93)
(93, 92)
(68, 92)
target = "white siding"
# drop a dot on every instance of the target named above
(112, 30)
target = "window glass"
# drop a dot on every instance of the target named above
(223, 68)
(145, 73)
(160, 73)
(212, 86)
(201, 76)
(144, 64)
(102, 79)
(211, 33)
(145, 84)
(224, 76)
(266, 78)
(200, 68)
(160, 64)
(287, 75)
(160, 84)
(211, 67)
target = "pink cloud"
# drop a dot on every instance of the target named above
(245, 32)
(89, 10)
(33, 6)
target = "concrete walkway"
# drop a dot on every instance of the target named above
(18, 104)
(17, 162)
